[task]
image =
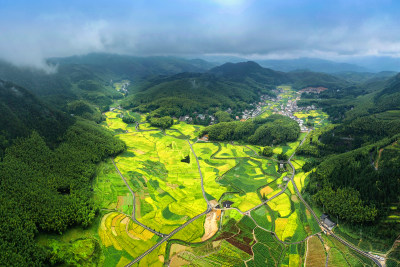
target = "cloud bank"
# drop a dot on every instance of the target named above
(255, 29)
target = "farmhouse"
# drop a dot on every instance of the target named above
(204, 138)
(227, 204)
(325, 220)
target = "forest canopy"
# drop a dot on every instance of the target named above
(44, 189)
(274, 129)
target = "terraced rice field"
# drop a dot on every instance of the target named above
(161, 170)
(317, 117)
(168, 192)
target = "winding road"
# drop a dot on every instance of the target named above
(344, 242)
(165, 237)
(201, 177)
(134, 203)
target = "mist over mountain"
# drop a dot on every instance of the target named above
(310, 64)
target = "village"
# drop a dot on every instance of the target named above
(276, 105)
(266, 103)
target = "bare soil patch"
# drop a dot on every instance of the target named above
(211, 224)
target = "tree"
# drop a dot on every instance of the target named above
(223, 116)
(282, 156)
(163, 122)
(267, 151)
(128, 119)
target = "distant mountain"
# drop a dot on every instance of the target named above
(362, 77)
(219, 60)
(132, 67)
(302, 79)
(231, 85)
(88, 77)
(249, 70)
(377, 64)
(310, 64)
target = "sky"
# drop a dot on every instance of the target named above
(31, 31)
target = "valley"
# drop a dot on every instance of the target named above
(237, 166)
(157, 198)
(174, 133)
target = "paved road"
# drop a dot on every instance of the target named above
(283, 190)
(134, 204)
(344, 242)
(201, 177)
(167, 237)
(269, 199)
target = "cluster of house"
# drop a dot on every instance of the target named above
(124, 87)
(203, 117)
(290, 108)
(114, 108)
(314, 90)
(257, 108)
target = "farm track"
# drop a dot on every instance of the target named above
(344, 242)
(165, 237)
(201, 177)
(134, 204)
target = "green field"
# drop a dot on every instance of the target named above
(161, 169)
(317, 118)
(168, 189)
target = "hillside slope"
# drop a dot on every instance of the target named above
(22, 112)
(231, 85)
(47, 163)
(89, 77)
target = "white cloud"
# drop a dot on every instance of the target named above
(237, 27)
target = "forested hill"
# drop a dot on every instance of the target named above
(22, 113)
(359, 157)
(302, 79)
(231, 85)
(249, 71)
(131, 67)
(389, 97)
(88, 77)
(47, 163)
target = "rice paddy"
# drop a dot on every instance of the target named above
(161, 170)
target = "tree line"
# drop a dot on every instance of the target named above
(44, 189)
(274, 129)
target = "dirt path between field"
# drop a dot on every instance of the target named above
(377, 160)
